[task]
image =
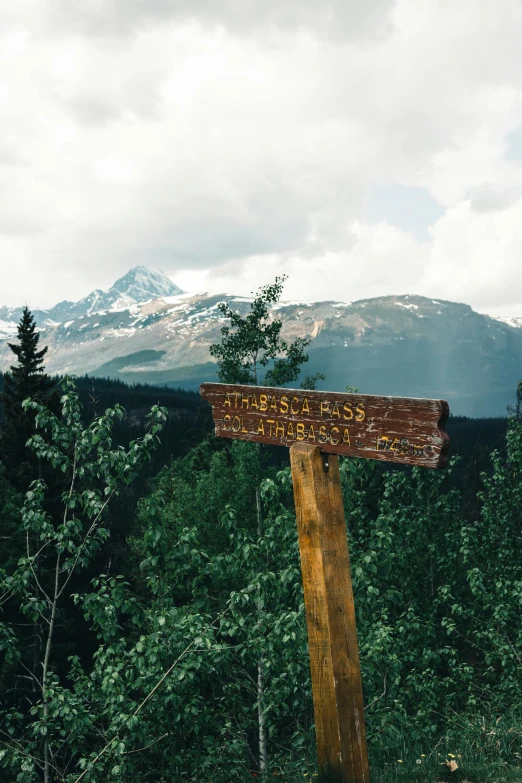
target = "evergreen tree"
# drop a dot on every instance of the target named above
(26, 379)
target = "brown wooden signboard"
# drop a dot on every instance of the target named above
(396, 429)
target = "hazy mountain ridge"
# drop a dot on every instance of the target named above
(408, 345)
(137, 286)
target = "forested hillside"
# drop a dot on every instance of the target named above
(153, 626)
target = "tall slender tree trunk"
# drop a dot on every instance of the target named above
(37, 639)
(263, 749)
(36, 624)
(45, 674)
(263, 739)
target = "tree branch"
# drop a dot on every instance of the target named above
(378, 697)
(139, 750)
(151, 693)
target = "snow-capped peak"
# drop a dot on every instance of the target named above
(141, 284)
(138, 285)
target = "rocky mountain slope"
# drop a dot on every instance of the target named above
(138, 285)
(144, 329)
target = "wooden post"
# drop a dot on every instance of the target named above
(330, 617)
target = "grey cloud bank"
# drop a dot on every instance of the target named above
(363, 148)
(339, 19)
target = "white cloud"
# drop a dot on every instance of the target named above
(476, 257)
(473, 258)
(380, 260)
(343, 19)
(227, 142)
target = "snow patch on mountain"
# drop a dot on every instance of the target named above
(7, 329)
(280, 305)
(514, 322)
(179, 298)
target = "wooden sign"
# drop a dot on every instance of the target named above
(395, 429)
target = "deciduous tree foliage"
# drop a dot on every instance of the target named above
(440, 648)
(249, 345)
(516, 409)
(43, 579)
(437, 600)
(164, 687)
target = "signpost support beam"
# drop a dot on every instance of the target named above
(330, 616)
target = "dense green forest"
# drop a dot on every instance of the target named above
(152, 624)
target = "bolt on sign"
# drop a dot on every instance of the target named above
(317, 426)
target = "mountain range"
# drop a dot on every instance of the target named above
(145, 329)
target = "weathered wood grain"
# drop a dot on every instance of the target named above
(330, 617)
(395, 429)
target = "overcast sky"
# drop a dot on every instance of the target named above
(364, 148)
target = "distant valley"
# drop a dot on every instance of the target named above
(145, 329)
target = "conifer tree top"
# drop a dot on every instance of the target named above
(27, 378)
(30, 360)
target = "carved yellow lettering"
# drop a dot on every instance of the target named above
(395, 445)
(236, 395)
(270, 422)
(299, 431)
(253, 402)
(332, 441)
(236, 423)
(305, 408)
(346, 436)
(290, 430)
(243, 428)
(348, 413)
(322, 437)
(273, 405)
(226, 420)
(260, 427)
(311, 433)
(227, 400)
(292, 405)
(325, 407)
(360, 412)
(263, 402)
(284, 404)
(280, 429)
(335, 410)
(244, 402)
